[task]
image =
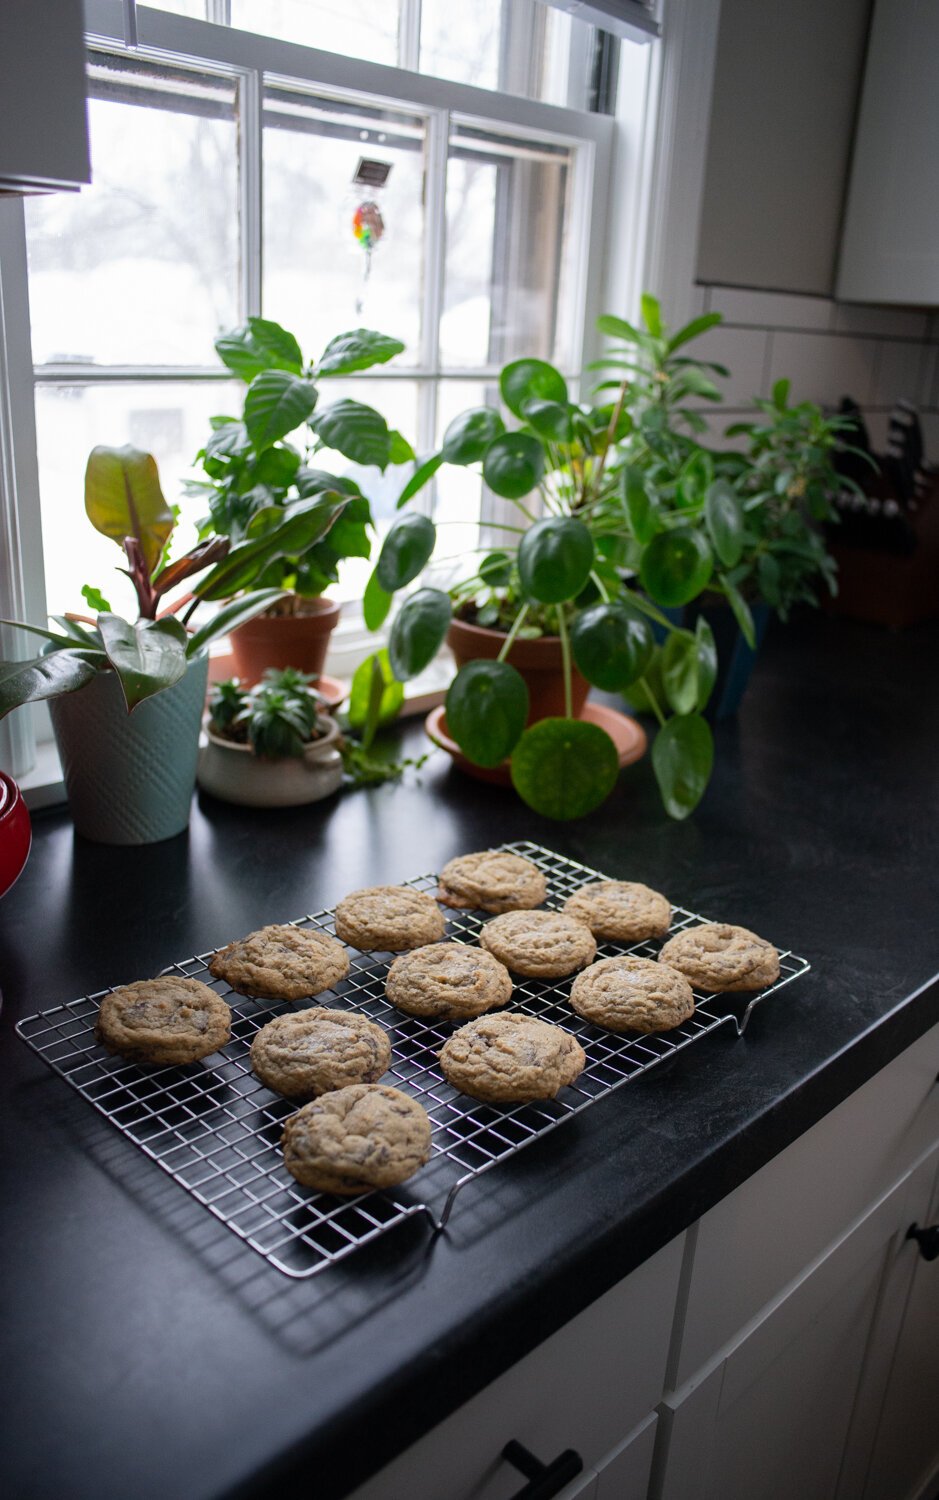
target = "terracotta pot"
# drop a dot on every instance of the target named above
(540, 662)
(299, 641)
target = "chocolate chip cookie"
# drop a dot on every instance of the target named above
(448, 981)
(716, 956)
(308, 1052)
(388, 919)
(282, 963)
(163, 1021)
(492, 881)
(355, 1139)
(621, 910)
(511, 1059)
(539, 944)
(632, 994)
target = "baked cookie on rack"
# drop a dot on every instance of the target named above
(627, 993)
(719, 957)
(309, 1052)
(282, 963)
(494, 880)
(355, 1139)
(511, 1058)
(448, 981)
(539, 944)
(165, 1022)
(388, 919)
(622, 910)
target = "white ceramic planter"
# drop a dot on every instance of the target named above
(235, 774)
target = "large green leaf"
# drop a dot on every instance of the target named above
(304, 525)
(513, 464)
(554, 559)
(357, 431)
(564, 768)
(693, 329)
(123, 498)
(376, 602)
(275, 404)
(419, 478)
(230, 616)
(682, 758)
(707, 662)
(418, 632)
(741, 610)
(43, 677)
(405, 550)
(368, 708)
(496, 569)
(358, 350)
(238, 351)
(469, 435)
(724, 522)
(147, 657)
(279, 347)
(680, 671)
(676, 566)
(642, 509)
(612, 645)
(531, 379)
(550, 419)
(487, 706)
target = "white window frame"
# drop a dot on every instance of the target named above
(165, 37)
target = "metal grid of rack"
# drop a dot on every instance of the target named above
(216, 1129)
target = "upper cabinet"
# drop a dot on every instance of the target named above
(43, 122)
(890, 245)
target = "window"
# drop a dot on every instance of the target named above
(223, 167)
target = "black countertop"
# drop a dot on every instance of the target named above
(146, 1352)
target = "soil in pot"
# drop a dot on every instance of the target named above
(299, 639)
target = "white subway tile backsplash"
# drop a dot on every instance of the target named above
(899, 374)
(824, 367)
(889, 322)
(771, 309)
(743, 351)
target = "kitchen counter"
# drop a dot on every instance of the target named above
(147, 1352)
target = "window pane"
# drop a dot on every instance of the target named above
(507, 278)
(461, 41)
(194, 8)
(531, 50)
(142, 267)
(354, 28)
(165, 418)
(319, 279)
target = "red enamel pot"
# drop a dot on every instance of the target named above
(15, 832)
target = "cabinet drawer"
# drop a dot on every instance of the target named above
(586, 1387)
(759, 1239)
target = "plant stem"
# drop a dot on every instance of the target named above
(566, 655)
(610, 435)
(509, 641)
(653, 700)
(600, 586)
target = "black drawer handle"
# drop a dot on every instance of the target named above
(927, 1239)
(544, 1480)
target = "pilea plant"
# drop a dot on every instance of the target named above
(292, 522)
(124, 501)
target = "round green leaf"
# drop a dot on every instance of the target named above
(676, 566)
(612, 645)
(531, 379)
(487, 706)
(707, 662)
(404, 552)
(513, 464)
(376, 603)
(469, 435)
(724, 522)
(564, 768)
(418, 632)
(682, 757)
(550, 419)
(680, 671)
(554, 559)
(641, 508)
(496, 569)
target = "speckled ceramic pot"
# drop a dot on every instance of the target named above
(130, 777)
(236, 774)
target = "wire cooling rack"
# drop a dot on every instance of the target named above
(216, 1129)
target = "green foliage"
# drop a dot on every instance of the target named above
(564, 768)
(418, 632)
(277, 717)
(682, 759)
(487, 706)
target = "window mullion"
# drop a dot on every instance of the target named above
(251, 191)
(435, 252)
(409, 35)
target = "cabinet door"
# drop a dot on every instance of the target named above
(625, 1473)
(770, 1416)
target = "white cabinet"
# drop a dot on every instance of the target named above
(890, 240)
(43, 125)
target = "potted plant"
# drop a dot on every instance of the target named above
(269, 746)
(575, 582)
(127, 697)
(259, 487)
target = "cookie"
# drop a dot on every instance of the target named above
(621, 910)
(165, 1021)
(511, 1059)
(539, 944)
(632, 994)
(716, 956)
(448, 981)
(388, 919)
(355, 1139)
(282, 963)
(308, 1052)
(492, 881)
